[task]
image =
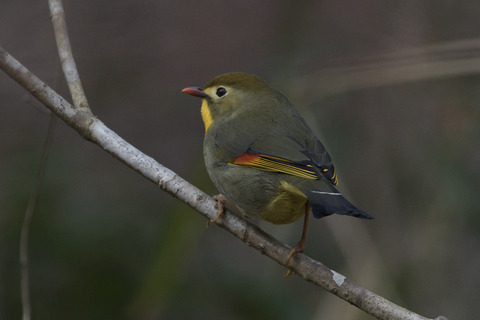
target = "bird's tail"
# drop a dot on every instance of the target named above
(325, 200)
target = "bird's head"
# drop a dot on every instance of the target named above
(228, 94)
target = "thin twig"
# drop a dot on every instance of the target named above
(24, 235)
(94, 130)
(69, 67)
(455, 58)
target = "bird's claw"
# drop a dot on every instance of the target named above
(220, 198)
(299, 248)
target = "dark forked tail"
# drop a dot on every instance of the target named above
(326, 200)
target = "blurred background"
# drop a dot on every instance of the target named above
(391, 88)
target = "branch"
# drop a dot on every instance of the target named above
(91, 128)
(69, 67)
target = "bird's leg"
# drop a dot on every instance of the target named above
(300, 247)
(220, 198)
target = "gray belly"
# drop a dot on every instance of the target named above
(249, 190)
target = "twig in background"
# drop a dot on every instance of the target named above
(25, 232)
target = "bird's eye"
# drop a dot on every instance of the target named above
(221, 91)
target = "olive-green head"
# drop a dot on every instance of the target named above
(230, 93)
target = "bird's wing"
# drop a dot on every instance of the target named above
(320, 158)
(285, 155)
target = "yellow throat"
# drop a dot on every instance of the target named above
(206, 115)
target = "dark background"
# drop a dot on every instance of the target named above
(392, 88)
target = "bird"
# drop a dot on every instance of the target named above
(262, 156)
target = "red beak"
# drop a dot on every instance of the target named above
(195, 91)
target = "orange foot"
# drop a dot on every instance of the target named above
(220, 198)
(300, 247)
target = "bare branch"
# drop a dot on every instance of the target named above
(94, 130)
(69, 67)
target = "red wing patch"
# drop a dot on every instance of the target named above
(246, 158)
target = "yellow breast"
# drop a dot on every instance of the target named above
(206, 115)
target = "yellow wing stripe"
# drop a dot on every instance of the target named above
(275, 164)
(334, 178)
